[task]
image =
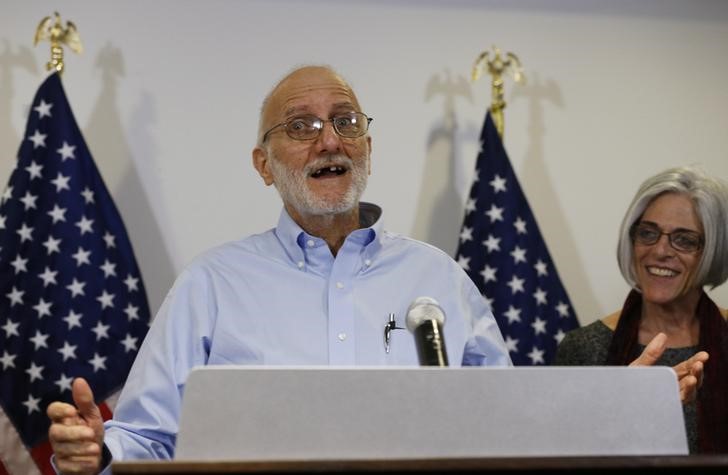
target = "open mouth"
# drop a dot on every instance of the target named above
(329, 171)
(661, 271)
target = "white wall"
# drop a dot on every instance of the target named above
(167, 94)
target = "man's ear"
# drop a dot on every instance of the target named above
(260, 162)
(369, 146)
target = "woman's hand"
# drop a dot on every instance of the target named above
(689, 372)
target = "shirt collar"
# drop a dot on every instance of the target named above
(292, 237)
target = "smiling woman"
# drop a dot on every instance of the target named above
(673, 243)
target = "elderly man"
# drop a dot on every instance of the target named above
(318, 289)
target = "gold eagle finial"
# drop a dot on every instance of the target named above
(497, 67)
(52, 30)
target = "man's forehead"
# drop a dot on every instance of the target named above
(311, 84)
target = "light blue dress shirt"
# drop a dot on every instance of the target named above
(282, 298)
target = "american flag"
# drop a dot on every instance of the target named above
(72, 301)
(502, 251)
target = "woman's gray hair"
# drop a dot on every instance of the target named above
(710, 201)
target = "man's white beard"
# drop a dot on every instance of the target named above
(292, 186)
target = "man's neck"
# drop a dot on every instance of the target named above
(332, 228)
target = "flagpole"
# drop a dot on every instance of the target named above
(497, 66)
(53, 31)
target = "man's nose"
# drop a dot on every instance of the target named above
(328, 140)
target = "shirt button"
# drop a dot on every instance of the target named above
(300, 264)
(368, 262)
(339, 285)
(342, 336)
(310, 243)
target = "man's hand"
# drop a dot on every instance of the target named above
(77, 433)
(689, 372)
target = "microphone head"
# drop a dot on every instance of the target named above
(423, 309)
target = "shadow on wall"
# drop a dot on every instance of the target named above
(10, 60)
(439, 205)
(535, 183)
(118, 167)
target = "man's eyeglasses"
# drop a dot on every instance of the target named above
(349, 125)
(682, 240)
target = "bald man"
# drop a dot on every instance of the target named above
(317, 289)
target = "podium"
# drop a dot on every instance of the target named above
(634, 465)
(409, 420)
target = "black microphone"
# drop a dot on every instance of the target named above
(425, 319)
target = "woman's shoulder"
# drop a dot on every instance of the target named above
(611, 320)
(585, 346)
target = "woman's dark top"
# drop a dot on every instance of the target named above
(587, 346)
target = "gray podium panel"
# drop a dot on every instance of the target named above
(324, 413)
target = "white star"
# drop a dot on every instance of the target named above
(88, 195)
(2, 221)
(488, 274)
(29, 200)
(131, 283)
(541, 268)
(43, 308)
(61, 182)
(7, 360)
(516, 285)
(68, 351)
(563, 309)
(130, 343)
(469, 206)
(15, 296)
(520, 226)
(495, 213)
(511, 344)
(519, 255)
(488, 302)
(464, 262)
(98, 362)
(39, 340)
(48, 276)
(76, 288)
(536, 356)
(106, 300)
(132, 312)
(10, 329)
(498, 184)
(19, 264)
(73, 319)
(101, 330)
(539, 326)
(85, 225)
(52, 244)
(476, 174)
(492, 243)
(108, 268)
(466, 234)
(25, 233)
(34, 170)
(109, 239)
(32, 403)
(559, 336)
(38, 139)
(64, 383)
(540, 296)
(67, 151)
(7, 194)
(43, 109)
(513, 314)
(81, 256)
(34, 372)
(57, 213)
